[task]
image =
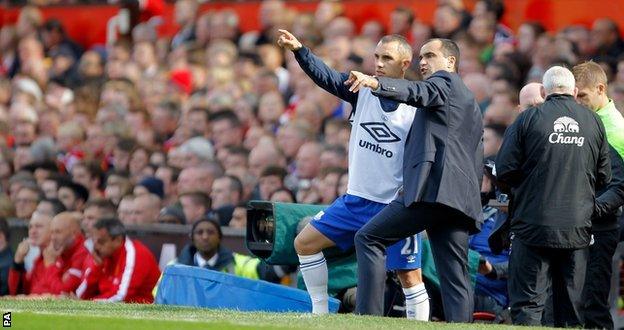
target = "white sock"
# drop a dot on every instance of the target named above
(314, 270)
(417, 302)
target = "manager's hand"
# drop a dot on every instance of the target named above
(358, 80)
(288, 40)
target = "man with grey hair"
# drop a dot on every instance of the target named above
(553, 158)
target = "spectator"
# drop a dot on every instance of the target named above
(606, 39)
(119, 269)
(291, 136)
(199, 178)
(169, 176)
(227, 192)
(26, 201)
(125, 210)
(171, 214)
(195, 205)
(150, 185)
(22, 280)
(283, 195)
(328, 181)
(94, 210)
(239, 217)
(6, 257)
(89, 175)
(73, 195)
(226, 129)
(145, 209)
(271, 180)
(51, 207)
(185, 13)
(307, 161)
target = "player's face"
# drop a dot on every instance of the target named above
(589, 96)
(389, 62)
(432, 59)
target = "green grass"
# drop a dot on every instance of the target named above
(71, 314)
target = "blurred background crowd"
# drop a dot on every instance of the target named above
(176, 129)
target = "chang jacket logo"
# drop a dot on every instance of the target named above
(382, 134)
(565, 125)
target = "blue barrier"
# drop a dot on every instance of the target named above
(200, 287)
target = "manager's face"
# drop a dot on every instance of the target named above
(389, 61)
(432, 59)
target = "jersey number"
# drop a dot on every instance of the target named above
(410, 246)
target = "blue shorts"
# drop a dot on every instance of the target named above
(341, 220)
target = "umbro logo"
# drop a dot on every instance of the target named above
(380, 132)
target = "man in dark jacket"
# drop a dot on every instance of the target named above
(591, 82)
(442, 170)
(553, 157)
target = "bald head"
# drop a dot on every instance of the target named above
(530, 96)
(64, 228)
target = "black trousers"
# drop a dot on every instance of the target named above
(533, 270)
(596, 312)
(448, 236)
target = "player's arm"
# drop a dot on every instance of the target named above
(322, 75)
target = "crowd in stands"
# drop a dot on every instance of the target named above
(186, 129)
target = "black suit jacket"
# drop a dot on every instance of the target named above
(443, 160)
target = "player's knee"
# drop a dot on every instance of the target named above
(304, 246)
(410, 278)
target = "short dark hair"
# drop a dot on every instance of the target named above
(79, 190)
(274, 170)
(407, 11)
(57, 205)
(228, 115)
(107, 206)
(235, 184)
(449, 48)
(126, 144)
(113, 227)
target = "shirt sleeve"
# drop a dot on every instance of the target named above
(603, 175)
(609, 201)
(421, 94)
(510, 156)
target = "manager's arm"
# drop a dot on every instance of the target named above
(434, 91)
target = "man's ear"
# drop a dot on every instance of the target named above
(575, 91)
(543, 92)
(451, 63)
(602, 88)
(406, 64)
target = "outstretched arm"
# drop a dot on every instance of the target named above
(322, 75)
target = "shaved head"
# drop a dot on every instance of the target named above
(64, 228)
(530, 96)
